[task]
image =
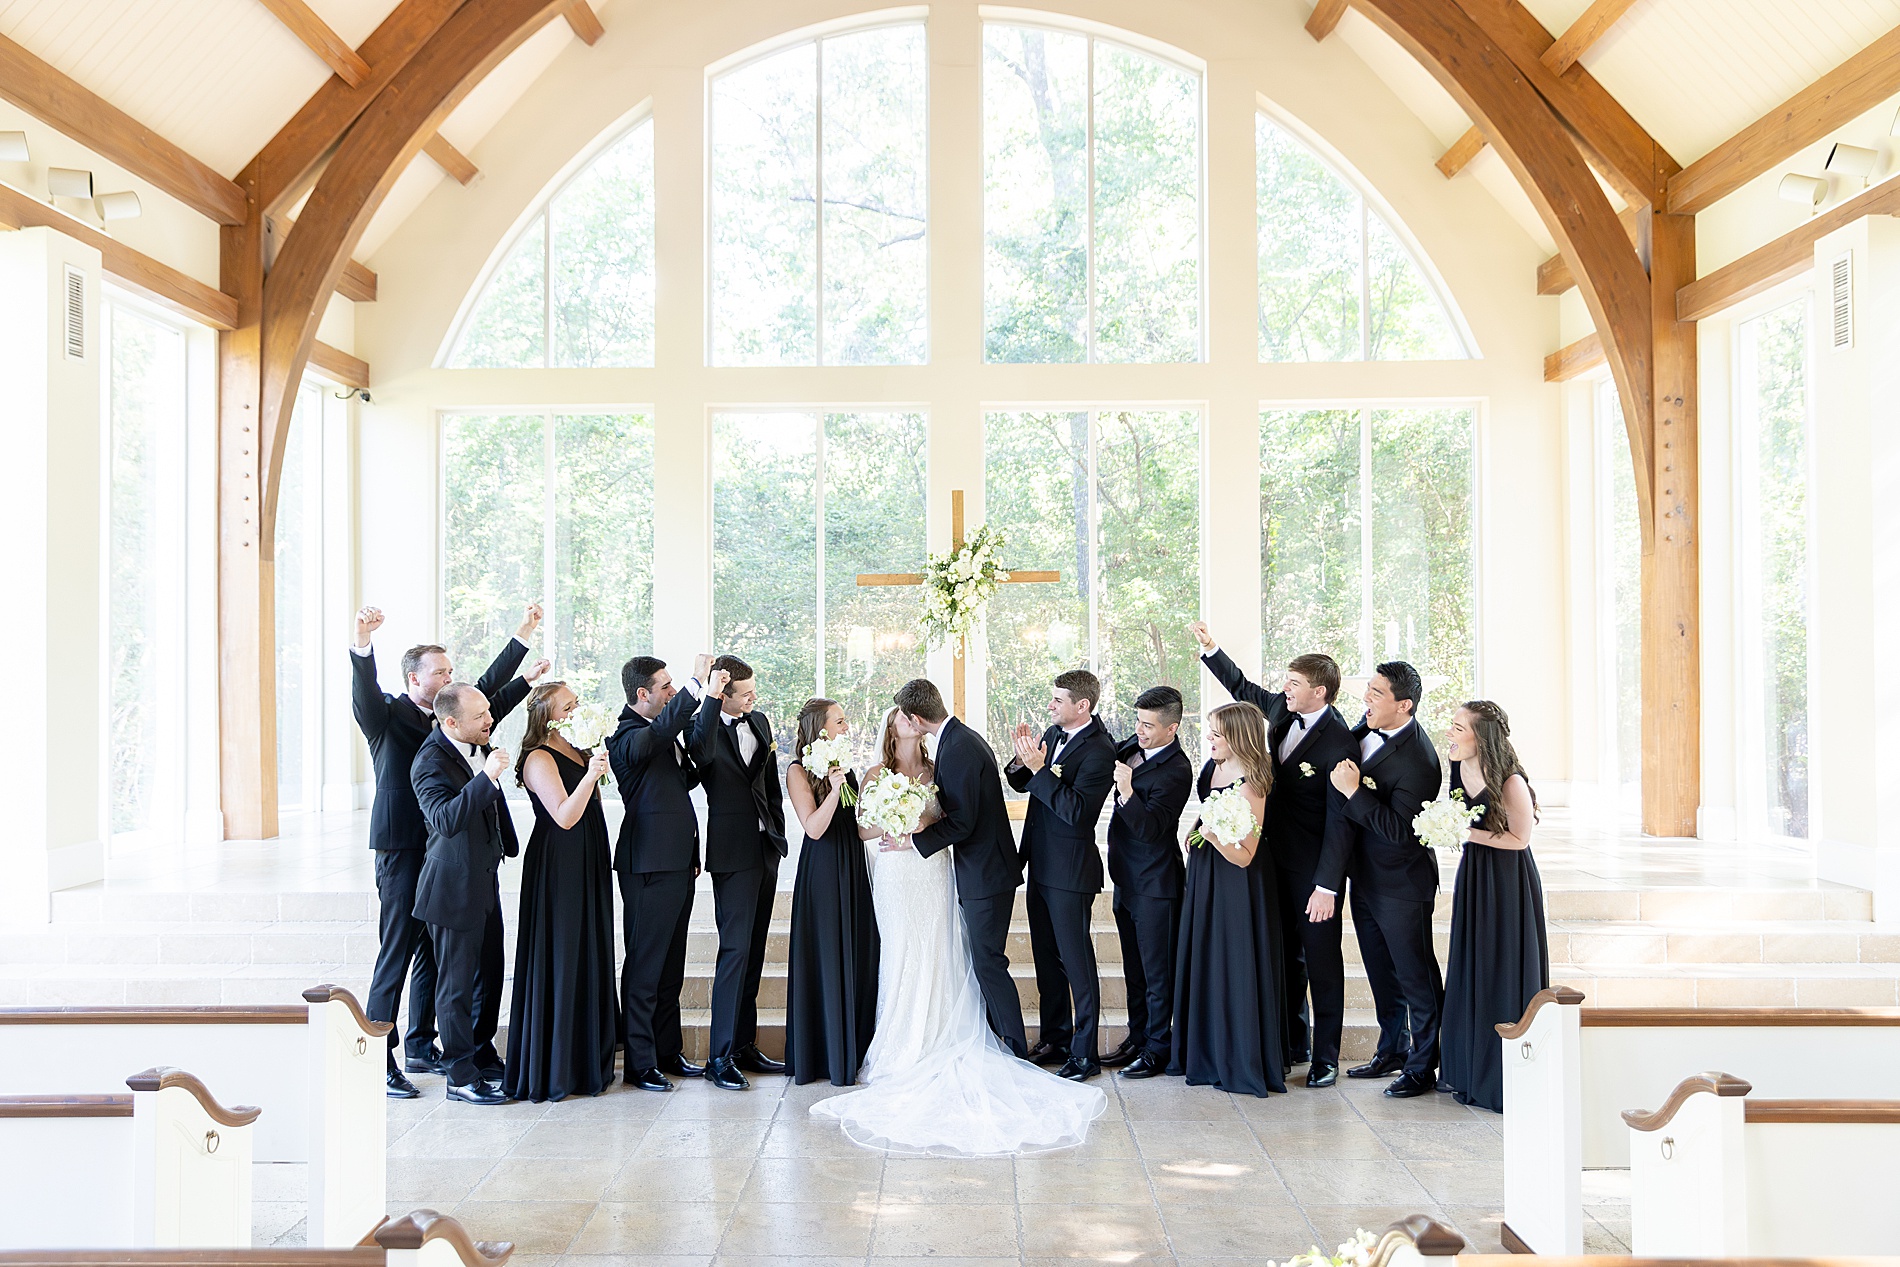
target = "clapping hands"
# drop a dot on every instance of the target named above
(1028, 747)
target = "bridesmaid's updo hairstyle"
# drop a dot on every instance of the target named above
(1244, 727)
(540, 706)
(811, 727)
(1497, 760)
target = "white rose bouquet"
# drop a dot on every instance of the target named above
(587, 727)
(1357, 1252)
(1446, 824)
(1226, 817)
(895, 803)
(958, 586)
(822, 756)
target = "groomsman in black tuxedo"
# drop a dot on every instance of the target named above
(1153, 778)
(457, 778)
(395, 726)
(975, 826)
(1068, 774)
(1309, 837)
(657, 860)
(745, 838)
(1395, 877)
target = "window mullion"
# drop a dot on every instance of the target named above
(550, 529)
(1365, 283)
(818, 220)
(1095, 547)
(1367, 658)
(818, 493)
(1088, 212)
(547, 285)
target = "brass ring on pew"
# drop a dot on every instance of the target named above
(211, 1142)
(362, 1045)
(1669, 1148)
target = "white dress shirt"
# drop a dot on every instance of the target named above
(1377, 739)
(748, 739)
(473, 754)
(1302, 726)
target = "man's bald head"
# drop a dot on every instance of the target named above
(452, 701)
(462, 712)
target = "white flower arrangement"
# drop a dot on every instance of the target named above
(825, 754)
(1056, 770)
(1306, 769)
(1357, 1252)
(1367, 780)
(958, 587)
(894, 803)
(587, 727)
(1226, 818)
(1446, 824)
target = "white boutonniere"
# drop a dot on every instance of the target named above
(774, 747)
(1306, 769)
(1056, 770)
(1369, 783)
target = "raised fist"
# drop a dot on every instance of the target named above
(702, 665)
(717, 683)
(496, 765)
(368, 621)
(1203, 635)
(536, 669)
(530, 621)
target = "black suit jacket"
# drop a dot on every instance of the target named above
(660, 830)
(470, 832)
(1388, 859)
(975, 818)
(1144, 832)
(396, 727)
(1308, 834)
(1059, 829)
(745, 807)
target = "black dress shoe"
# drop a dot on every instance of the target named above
(1322, 1075)
(1377, 1067)
(1146, 1065)
(400, 1088)
(723, 1073)
(1079, 1070)
(752, 1060)
(680, 1067)
(1130, 1048)
(1299, 1057)
(1407, 1085)
(1047, 1053)
(431, 1063)
(480, 1093)
(648, 1080)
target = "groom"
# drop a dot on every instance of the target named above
(988, 870)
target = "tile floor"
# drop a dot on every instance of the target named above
(1170, 1174)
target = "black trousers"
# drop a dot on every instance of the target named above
(1395, 940)
(404, 940)
(656, 907)
(1149, 928)
(468, 995)
(986, 919)
(1067, 983)
(742, 908)
(1312, 957)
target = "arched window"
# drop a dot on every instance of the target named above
(1336, 284)
(1091, 201)
(576, 286)
(836, 123)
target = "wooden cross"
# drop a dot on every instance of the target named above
(912, 578)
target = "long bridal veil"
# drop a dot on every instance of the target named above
(937, 1081)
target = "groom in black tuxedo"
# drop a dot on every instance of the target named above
(988, 869)
(1395, 877)
(1068, 774)
(457, 778)
(732, 747)
(395, 726)
(1310, 839)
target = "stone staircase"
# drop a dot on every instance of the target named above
(1684, 947)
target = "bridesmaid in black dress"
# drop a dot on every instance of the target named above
(1228, 977)
(831, 987)
(1500, 955)
(566, 1012)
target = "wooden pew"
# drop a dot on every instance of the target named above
(1570, 1071)
(1716, 1170)
(164, 1166)
(316, 1068)
(421, 1239)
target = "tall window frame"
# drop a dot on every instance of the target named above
(1617, 534)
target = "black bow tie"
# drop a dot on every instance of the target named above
(1299, 721)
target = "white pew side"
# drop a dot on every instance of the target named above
(348, 1119)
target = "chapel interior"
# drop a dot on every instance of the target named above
(1538, 343)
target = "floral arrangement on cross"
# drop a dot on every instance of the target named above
(958, 587)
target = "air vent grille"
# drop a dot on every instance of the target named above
(1842, 279)
(75, 314)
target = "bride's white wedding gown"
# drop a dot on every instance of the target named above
(936, 1080)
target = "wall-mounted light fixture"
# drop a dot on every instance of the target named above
(1852, 160)
(68, 182)
(1809, 191)
(12, 147)
(120, 206)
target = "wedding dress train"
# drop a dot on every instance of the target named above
(937, 1082)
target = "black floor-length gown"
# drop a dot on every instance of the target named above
(831, 986)
(566, 1012)
(1500, 957)
(1228, 979)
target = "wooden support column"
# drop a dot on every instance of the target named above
(1671, 621)
(247, 619)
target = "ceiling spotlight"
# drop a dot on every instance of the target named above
(68, 182)
(120, 206)
(1851, 160)
(12, 147)
(1809, 191)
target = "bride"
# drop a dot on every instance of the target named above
(938, 1082)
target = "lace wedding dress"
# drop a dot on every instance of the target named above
(936, 1081)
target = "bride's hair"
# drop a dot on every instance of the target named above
(887, 742)
(811, 727)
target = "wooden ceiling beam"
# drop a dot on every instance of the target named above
(1462, 151)
(347, 370)
(1553, 275)
(585, 23)
(135, 270)
(1574, 360)
(320, 38)
(450, 159)
(1789, 255)
(61, 102)
(1845, 93)
(358, 284)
